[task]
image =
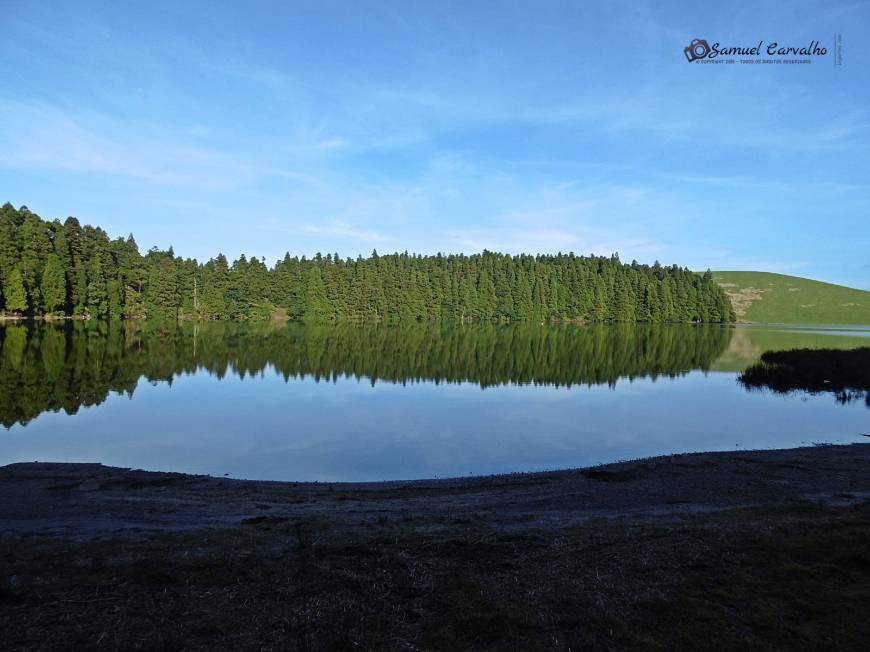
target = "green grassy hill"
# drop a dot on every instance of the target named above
(762, 297)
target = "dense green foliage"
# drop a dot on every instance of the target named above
(70, 364)
(763, 297)
(54, 268)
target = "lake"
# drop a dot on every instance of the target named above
(283, 401)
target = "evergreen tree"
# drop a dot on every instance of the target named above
(78, 270)
(316, 306)
(76, 267)
(35, 247)
(14, 293)
(53, 284)
(97, 292)
(9, 250)
(162, 288)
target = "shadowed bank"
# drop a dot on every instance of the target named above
(846, 374)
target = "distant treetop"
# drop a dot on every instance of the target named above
(65, 269)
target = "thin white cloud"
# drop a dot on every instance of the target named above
(35, 136)
(293, 175)
(42, 137)
(330, 228)
(340, 229)
(331, 143)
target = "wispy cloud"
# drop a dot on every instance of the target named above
(43, 137)
(330, 228)
(331, 143)
(293, 175)
(340, 229)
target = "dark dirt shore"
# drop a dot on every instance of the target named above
(763, 549)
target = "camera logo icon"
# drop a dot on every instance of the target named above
(697, 49)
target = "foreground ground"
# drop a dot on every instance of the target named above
(766, 549)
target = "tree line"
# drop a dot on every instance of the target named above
(54, 268)
(66, 365)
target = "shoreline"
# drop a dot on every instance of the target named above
(145, 502)
(764, 549)
(578, 321)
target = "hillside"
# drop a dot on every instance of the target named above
(763, 297)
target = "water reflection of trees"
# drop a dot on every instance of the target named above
(68, 365)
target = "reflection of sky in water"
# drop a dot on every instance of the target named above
(349, 430)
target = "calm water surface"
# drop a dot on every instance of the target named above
(288, 402)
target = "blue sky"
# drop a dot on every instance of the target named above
(259, 128)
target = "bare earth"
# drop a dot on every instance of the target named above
(763, 548)
(742, 298)
(87, 501)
